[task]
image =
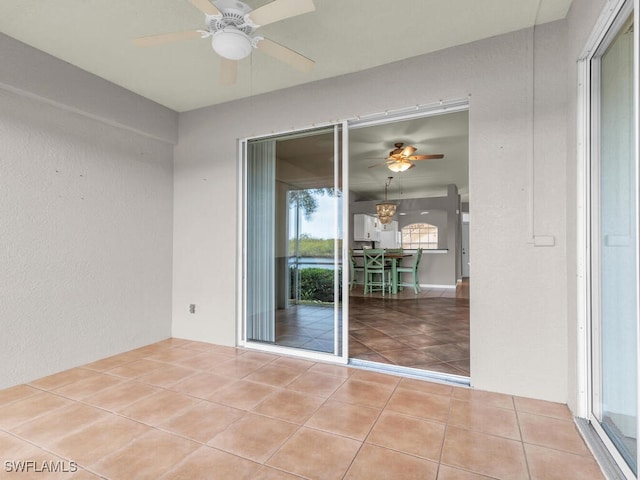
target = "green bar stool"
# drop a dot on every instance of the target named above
(413, 270)
(353, 270)
(377, 274)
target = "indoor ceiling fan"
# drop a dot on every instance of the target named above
(231, 25)
(400, 159)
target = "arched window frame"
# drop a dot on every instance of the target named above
(419, 235)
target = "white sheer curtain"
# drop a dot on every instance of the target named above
(261, 172)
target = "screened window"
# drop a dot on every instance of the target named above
(420, 235)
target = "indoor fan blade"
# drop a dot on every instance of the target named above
(380, 164)
(153, 40)
(425, 157)
(286, 55)
(206, 7)
(279, 10)
(228, 71)
(408, 151)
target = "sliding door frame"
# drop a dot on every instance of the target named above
(342, 126)
(341, 327)
(588, 109)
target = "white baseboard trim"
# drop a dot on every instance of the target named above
(436, 286)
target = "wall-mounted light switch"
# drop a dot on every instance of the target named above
(192, 308)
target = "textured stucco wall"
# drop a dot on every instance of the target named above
(85, 239)
(36, 74)
(518, 293)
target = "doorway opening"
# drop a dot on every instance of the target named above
(422, 322)
(308, 200)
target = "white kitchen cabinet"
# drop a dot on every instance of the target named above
(366, 228)
(390, 227)
(389, 237)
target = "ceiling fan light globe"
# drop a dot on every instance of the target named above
(399, 166)
(231, 44)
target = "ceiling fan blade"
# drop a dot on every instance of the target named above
(408, 151)
(228, 71)
(425, 157)
(153, 40)
(206, 7)
(286, 55)
(379, 164)
(279, 10)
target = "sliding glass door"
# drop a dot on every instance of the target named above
(614, 242)
(293, 234)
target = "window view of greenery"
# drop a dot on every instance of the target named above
(308, 246)
(420, 235)
(315, 285)
(312, 245)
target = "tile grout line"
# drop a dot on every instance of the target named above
(524, 451)
(373, 424)
(444, 435)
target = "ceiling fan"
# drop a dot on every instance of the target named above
(231, 25)
(400, 159)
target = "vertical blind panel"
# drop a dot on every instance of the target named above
(261, 173)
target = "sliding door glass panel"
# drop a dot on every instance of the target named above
(615, 244)
(294, 241)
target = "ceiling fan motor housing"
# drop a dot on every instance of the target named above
(231, 43)
(230, 32)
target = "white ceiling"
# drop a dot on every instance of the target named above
(342, 36)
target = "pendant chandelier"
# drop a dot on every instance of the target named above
(386, 210)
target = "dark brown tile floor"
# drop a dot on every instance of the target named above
(306, 326)
(188, 410)
(429, 331)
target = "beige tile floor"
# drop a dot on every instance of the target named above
(189, 410)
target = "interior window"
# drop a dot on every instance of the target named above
(420, 235)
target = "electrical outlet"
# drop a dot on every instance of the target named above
(192, 308)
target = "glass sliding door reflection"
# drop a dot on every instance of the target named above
(614, 240)
(294, 237)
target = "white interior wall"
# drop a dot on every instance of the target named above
(85, 219)
(518, 296)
